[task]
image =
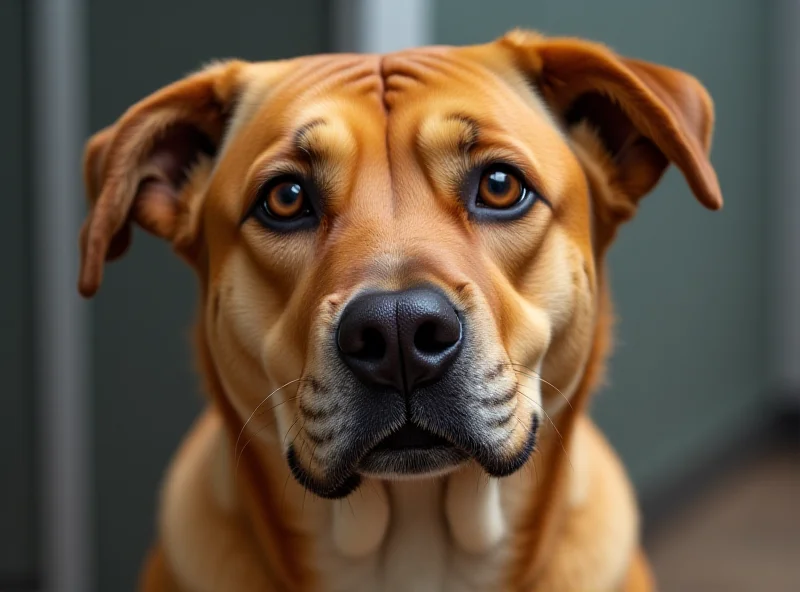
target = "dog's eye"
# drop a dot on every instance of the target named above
(283, 205)
(284, 200)
(500, 188)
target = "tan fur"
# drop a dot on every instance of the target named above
(389, 140)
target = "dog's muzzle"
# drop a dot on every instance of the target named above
(397, 342)
(415, 397)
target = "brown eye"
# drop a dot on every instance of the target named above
(499, 188)
(285, 200)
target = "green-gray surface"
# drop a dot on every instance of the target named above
(146, 391)
(690, 364)
(17, 461)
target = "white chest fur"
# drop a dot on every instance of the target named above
(435, 535)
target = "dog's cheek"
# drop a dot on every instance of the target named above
(572, 335)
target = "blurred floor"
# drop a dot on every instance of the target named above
(742, 535)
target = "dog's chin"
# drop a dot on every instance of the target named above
(412, 463)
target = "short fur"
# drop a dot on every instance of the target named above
(388, 139)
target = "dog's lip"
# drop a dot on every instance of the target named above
(411, 450)
(410, 436)
(418, 458)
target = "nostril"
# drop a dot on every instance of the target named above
(427, 341)
(362, 343)
(433, 338)
(374, 345)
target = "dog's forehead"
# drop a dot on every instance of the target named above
(283, 93)
(378, 112)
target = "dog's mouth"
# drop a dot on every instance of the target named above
(411, 451)
(410, 437)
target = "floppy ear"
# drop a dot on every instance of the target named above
(139, 169)
(642, 116)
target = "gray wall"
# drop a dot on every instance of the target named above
(690, 367)
(146, 392)
(17, 462)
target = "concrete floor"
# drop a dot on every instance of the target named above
(742, 535)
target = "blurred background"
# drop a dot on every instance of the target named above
(704, 389)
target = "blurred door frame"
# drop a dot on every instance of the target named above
(381, 26)
(58, 122)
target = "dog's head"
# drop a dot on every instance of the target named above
(399, 255)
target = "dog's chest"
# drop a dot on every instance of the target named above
(417, 552)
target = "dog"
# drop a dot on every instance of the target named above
(403, 312)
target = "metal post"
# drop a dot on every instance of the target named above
(58, 122)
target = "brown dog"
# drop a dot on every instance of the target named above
(404, 309)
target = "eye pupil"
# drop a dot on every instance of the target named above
(499, 183)
(289, 193)
(284, 205)
(285, 201)
(500, 189)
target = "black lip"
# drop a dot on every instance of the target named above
(341, 488)
(504, 467)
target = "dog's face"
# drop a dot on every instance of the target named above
(399, 255)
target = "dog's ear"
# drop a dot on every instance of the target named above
(642, 116)
(139, 169)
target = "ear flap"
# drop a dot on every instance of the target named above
(136, 169)
(645, 115)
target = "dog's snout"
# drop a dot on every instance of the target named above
(401, 339)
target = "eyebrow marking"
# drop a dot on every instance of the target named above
(470, 132)
(302, 141)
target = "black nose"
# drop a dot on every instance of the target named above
(399, 339)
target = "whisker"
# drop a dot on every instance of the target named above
(538, 376)
(305, 489)
(560, 437)
(239, 437)
(297, 435)
(527, 396)
(241, 452)
(285, 484)
(289, 431)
